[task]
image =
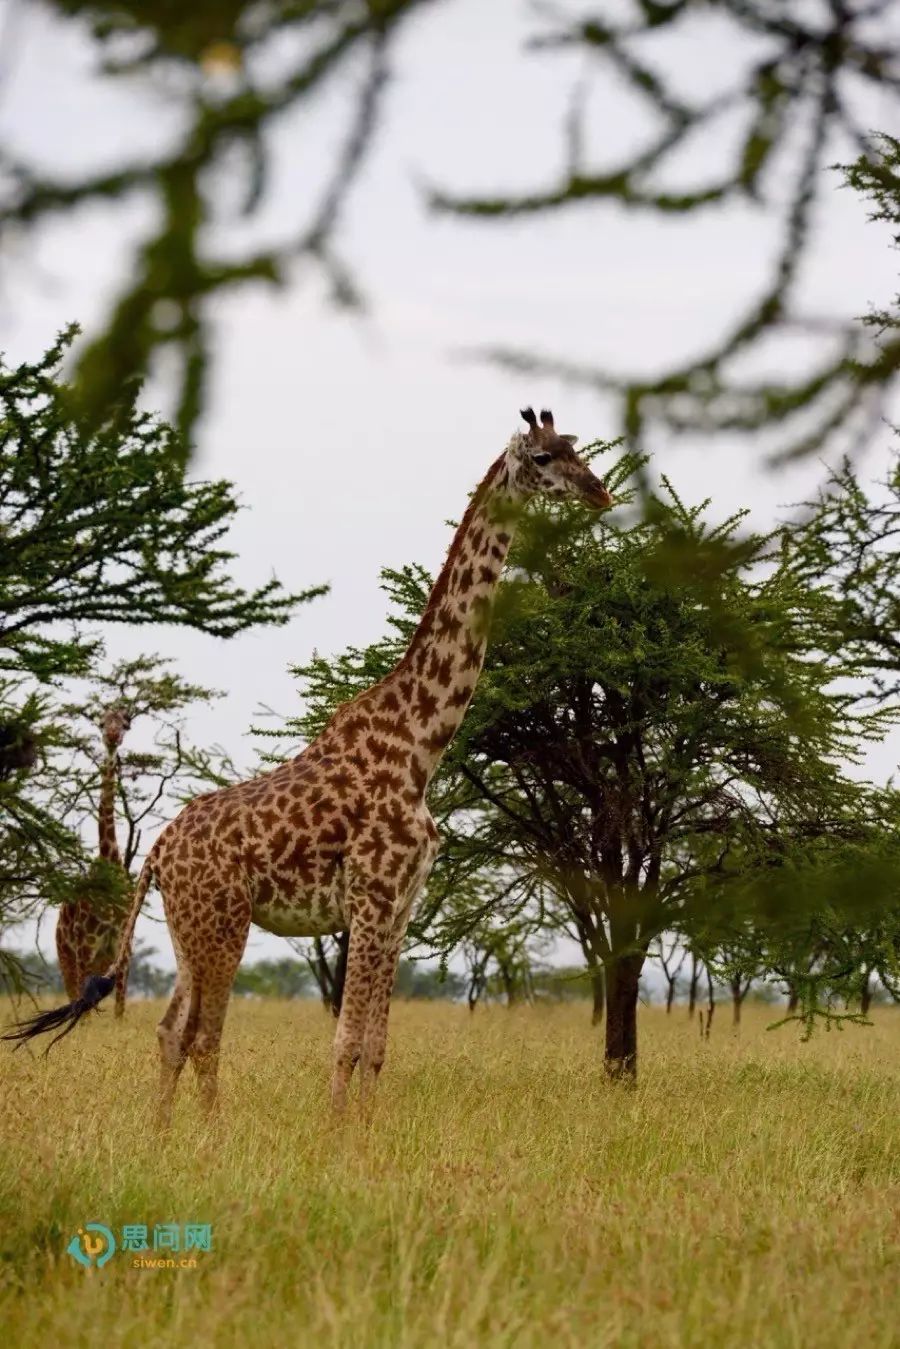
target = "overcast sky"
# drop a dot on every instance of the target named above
(353, 440)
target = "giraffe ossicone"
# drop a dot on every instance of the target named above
(339, 837)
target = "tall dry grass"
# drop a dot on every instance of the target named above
(746, 1193)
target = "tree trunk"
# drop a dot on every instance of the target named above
(670, 996)
(622, 974)
(695, 980)
(793, 999)
(340, 973)
(477, 980)
(322, 972)
(710, 1004)
(865, 993)
(737, 1002)
(598, 984)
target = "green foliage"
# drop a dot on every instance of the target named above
(294, 979)
(103, 885)
(28, 971)
(794, 72)
(795, 67)
(143, 686)
(819, 911)
(146, 979)
(274, 979)
(151, 778)
(417, 981)
(210, 58)
(48, 821)
(41, 856)
(99, 525)
(561, 983)
(849, 545)
(876, 177)
(49, 807)
(850, 542)
(500, 952)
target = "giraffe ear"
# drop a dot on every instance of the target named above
(572, 440)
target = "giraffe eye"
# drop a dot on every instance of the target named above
(542, 458)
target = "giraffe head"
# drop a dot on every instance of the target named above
(543, 461)
(114, 723)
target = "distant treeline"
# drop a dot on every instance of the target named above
(293, 978)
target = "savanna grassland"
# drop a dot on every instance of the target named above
(747, 1192)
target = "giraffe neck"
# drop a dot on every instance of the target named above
(106, 818)
(434, 682)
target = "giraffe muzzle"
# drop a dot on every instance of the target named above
(596, 494)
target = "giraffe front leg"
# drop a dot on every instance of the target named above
(365, 959)
(174, 1033)
(375, 1037)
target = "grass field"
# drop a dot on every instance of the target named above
(746, 1193)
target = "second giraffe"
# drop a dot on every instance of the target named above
(88, 929)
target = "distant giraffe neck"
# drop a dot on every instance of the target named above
(434, 682)
(106, 818)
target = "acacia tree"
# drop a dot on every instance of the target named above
(326, 961)
(850, 541)
(848, 545)
(500, 958)
(738, 972)
(165, 769)
(476, 960)
(161, 769)
(634, 724)
(671, 955)
(283, 978)
(825, 913)
(97, 525)
(41, 856)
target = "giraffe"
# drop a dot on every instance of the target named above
(339, 837)
(86, 936)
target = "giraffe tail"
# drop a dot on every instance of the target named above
(95, 988)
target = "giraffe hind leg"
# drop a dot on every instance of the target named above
(209, 955)
(66, 953)
(214, 995)
(175, 1033)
